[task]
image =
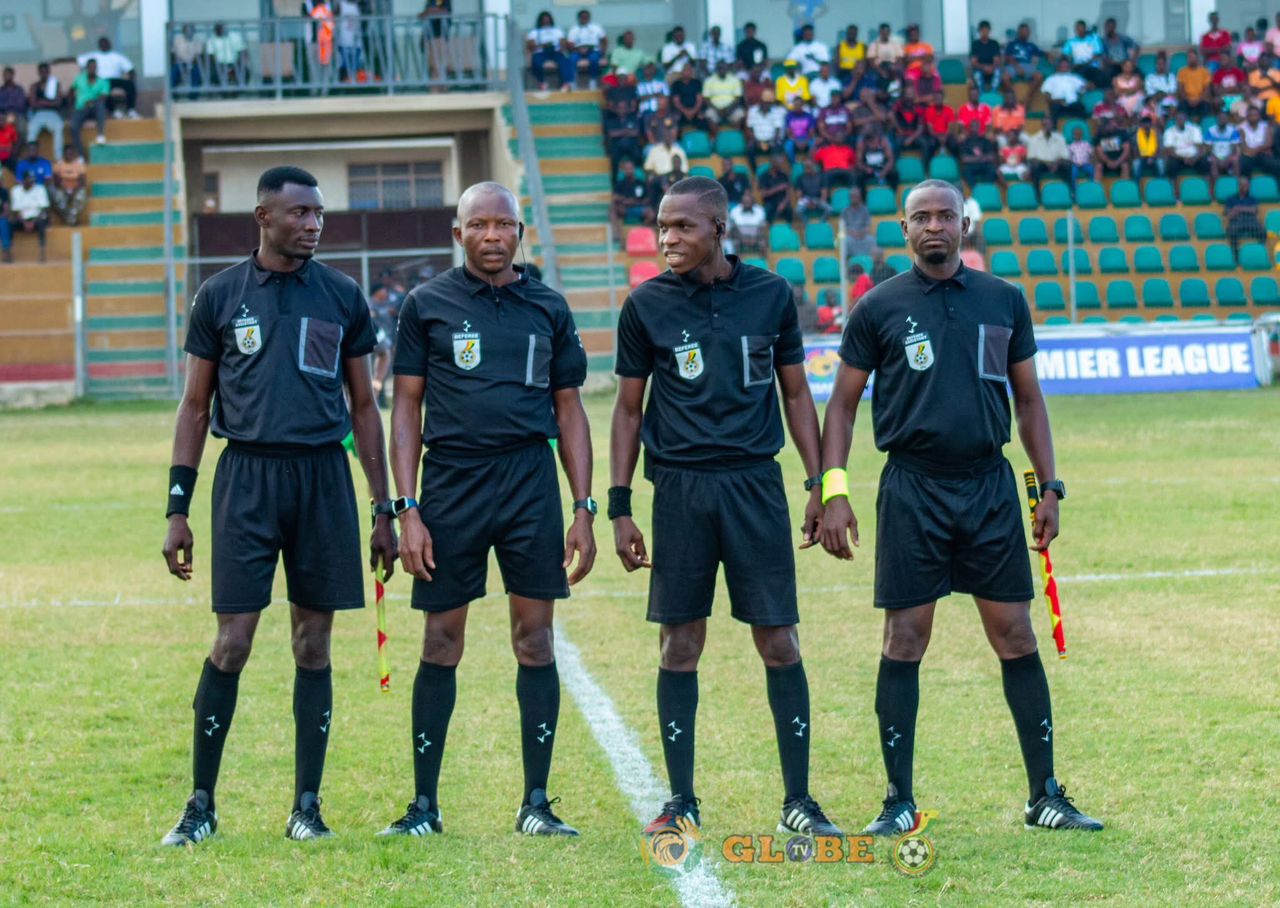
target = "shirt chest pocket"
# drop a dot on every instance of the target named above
(993, 352)
(319, 346)
(537, 368)
(757, 359)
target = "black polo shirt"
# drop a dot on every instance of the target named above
(279, 340)
(940, 351)
(712, 350)
(492, 357)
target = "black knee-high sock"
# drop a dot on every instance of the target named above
(538, 692)
(1026, 689)
(434, 691)
(214, 705)
(897, 702)
(312, 719)
(677, 714)
(789, 700)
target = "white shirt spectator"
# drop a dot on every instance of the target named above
(1160, 82)
(1063, 87)
(548, 34)
(767, 126)
(1273, 39)
(226, 48)
(111, 64)
(973, 211)
(185, 51)
(661, 160)
(715, 53)
(647, 93)
(822, 90)
(747, 223)
(810, 55)
(671, 52)
(29, 203)
(589, 35)
(885, 51)
(348, 24)
(1184, 142)
(1255, 137)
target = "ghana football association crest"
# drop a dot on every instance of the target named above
(688, 359)
(248, 332)
(466, 350)
(917, 347)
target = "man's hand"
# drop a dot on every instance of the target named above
(581, 538)
(179, 540)
(838, 526)
(1045, 529)
(383, 547)
(812, 528)
(628, 542)
(416, 552)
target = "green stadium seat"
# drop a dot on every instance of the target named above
(839, 201)
(1113, 260)
(1159, 193)
(995, 232)
(1194, 294)
(1218, 257)
(696, 144)
(1057, 320)
(899, 263)
(1040, 263)
(783, 239)
(1208, 226)
(1083, 264)
(903, 192)
(1225, 188)
(1254, 257)
(1166, 319)
(1132, 320)
(756, 262)
(731, 143)
(1092, 99)
(1173, 228)
(889, 235)
(1124, 194)
(1204, 317)
(1272, 222)
(1021, 197)
(1005, 264)
(761, 168)
(1230, 292)
(1068, 127)
(880, 200)
(1156, 293)
(797, 168)
(1239, 317)
(1120, 295)
(1095, 320)
(826, 270)
(1090, 196)
(944, 167)
(1147, 260)
(819, 235)
(1049, 298)
(702, 170)
(1146, 63)
(1055, 196)
(1103, 229)
(865, 261)
(991, 98)
(1033, 232)
(1194, 191)
(1263, 188)
(952, 71)
(1060, 231)
(792, 269)
(987, 195)
(1177, 61)
(1087, 295)
(1264, 291)
(910, 170)
(1183, 258)
(1137, 229)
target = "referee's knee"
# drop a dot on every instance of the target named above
(231, 649)
(534, 648)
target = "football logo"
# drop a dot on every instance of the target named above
(689, 360)
(466, 350)
(249, 338)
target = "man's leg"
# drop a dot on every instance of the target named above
(215, 699)
(537, 687)
(680, 647)
(435, 691)
(788, 691)
(906, 637)
(312, 699)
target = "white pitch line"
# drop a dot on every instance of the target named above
(635, 777)
(1166, 575)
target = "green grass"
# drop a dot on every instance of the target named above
(1165, 714)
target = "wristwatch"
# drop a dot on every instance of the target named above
(1056, 487)
(377, 509)
(812, 482)
(402, 504)
(588, 504)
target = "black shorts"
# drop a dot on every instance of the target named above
(509, 502)
(301, 504)
(735, 517)
(938, 535)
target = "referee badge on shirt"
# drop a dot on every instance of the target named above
(466, 350)
(689, 360)
(918, 349)
(248, 333)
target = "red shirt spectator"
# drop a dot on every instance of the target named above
(1215, 43)
(860, 286)
(1108, 110)
(925, 80)
(975, 112)
(939, 117)
(834, 157)
(1230, 78)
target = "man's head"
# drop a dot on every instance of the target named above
(28, 180)
(1064, 64)
(714, 34)
(628, 167)
(1024, 31)
(650, 72)
(8, 75)
(885, 31)
(797, 104)
(1109, 27)
(1081, 28)
(677, 34)
(913, 33)
(938, 99)
(851, 35)
(489, 228)
(1213, 21)
(219, 29)
(973, 95)
(686, 74)
(748, 199)
(1253, 115)
(749, 30)
(91, 68)
(855, 196)
(1193, 59)
(726, 165)
(104, 44)
(825, 70)
(69, 152)
(1010, 99)
(766, 99)
(1242, 186)
(628, 39)
(934, 221)
(806, 33)
(1222, 118)
(790, 66)
(544, 19)
(188, 31)
(31, 151)
(1162, 62)
(722, 68)
(584, 16)
(691, 223)
(984, 29)
(43, 70)
(1180, 117)
(290, 212)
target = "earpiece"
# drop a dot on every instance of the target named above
(520, 231)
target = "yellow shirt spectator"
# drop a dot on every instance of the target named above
(788, 87)
(848, 57)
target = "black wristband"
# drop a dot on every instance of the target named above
(182, 485)
(619, 502)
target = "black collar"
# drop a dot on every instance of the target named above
(927, 283)
(475, 284)
(690, 286)
(262, 275)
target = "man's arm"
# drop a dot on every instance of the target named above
(624, 452)
(802, 423)
(575, 457)
(366, 425)
(838, 523)
(416, 553)
(189, 435)
(1037, 441)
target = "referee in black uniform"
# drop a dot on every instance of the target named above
(715, 335)
(496, 357)
(945, 342)
(273, 343)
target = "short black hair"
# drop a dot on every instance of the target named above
(275, 178)
(984, 24)
(710, 194)
(936, 184)
(748, 25)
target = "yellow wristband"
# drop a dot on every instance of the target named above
(834, 482)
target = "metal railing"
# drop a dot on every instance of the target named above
(295, 56)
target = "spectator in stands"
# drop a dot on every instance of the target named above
(909, 126)
(747, 223)
(677, 52)
(886, 47)
(230, 55)
(984, 58)
(723, 92)
(1108, 108)
(874, 164)
(1113, 149)
(13, 99)
(758, 82)
(1256, 136)
(117, 70)
(1215, 44)
(938, 118)
(823, 87)
(1064, 89)
(1022, 57)
(46, 105)
(1223, 139)
(856, 221)
(859, 284)
(974, 111)
(1010, 115)
(1013, 157)
(791, 84)
(1047, 153)
(67, 190)
(751, 52)
(1195, 87)
(1229, 80)
(225, 54)
(184, 60)
(687, 99)
(88, 99)
(1183, 147)
(1084, 51)
(868, 112)
(1264, 79)
(620, 88)
(664, 156)
(1147, 154)
(977, 156)
(915, 51)
(546, 43)
(715, 51)
(1080, 150)
(810, 54)
(626, 57)
(630, 199)
(837, 161)
(435, 17)
(1128, 87)
(924, 79)
(775, 189)
(849, 53)
(1161, 81)
(622, 136)
(660, 183)
(834, 124)
(10, 142)
(1251, 49)
(865, 78)
(766, 127)
(30, 209)
(1116, 49)
(349, 39)
(811, 193)
(736, 183)
(801, 127)
(6, 231)
(662, 122)
(881, 270)
(31, 162)
(587, 41)
(1241, 212)
(1272, 37)
(651, 89)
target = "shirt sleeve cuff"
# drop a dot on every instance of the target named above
(856, 364)
(632, 373)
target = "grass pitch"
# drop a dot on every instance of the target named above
(1165, 714)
